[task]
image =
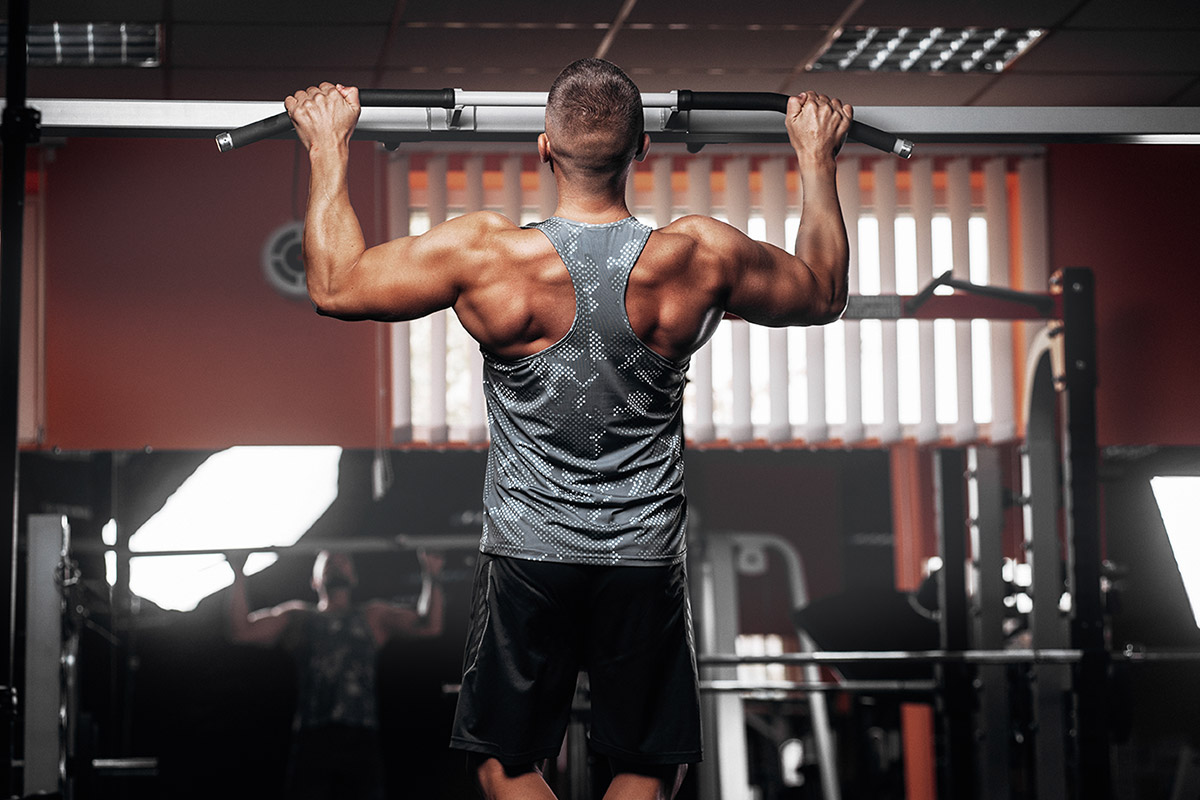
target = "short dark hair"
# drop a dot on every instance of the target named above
(594, 117)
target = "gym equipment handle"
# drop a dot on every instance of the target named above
(770, 101)
(281, 123)
(445, 98)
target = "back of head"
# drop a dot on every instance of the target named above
(594, 119)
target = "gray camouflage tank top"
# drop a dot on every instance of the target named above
(586, 457)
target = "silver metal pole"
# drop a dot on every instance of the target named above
(1045, 656)
(822, 731)
(403, 542)
(951, 124)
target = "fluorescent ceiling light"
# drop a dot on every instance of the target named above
(91, 44)
(238, 498)
(949, 50)
(1178, 498)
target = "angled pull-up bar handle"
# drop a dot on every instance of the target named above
(771, 101)
(446, 98)
(281, 123)
(1042, 303)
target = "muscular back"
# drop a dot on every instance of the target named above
(519, 299)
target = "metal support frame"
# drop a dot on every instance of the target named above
(956, 703)
(993, 719)
(18, 128)
(45, 706)
(492, 118)
(1080, 458)
(1050, 685)
(726, 775)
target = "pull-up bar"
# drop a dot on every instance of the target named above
(456, 101)
(509, 117)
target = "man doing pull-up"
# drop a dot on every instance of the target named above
(586, 323)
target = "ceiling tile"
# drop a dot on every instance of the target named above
(1082, 90)
(962, 13)
(700, 49)
(698, 13)
(893, 88)
(274, 46)
(1126, 15)
(131, 84)
(259, 84)
(1189, 95)
(90, 11)
(284, 12)
(1074, 51)
(538, 11)
(512, 49)
(474, 79)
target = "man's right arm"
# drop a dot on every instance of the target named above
(768, 285)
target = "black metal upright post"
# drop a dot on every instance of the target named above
(956, 705)
(1082, 502)
(18, 127)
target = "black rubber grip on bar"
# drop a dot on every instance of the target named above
(771, 101)
(282, 123)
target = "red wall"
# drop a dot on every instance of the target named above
(162, 330)
(1130, 213)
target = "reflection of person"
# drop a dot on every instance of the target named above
(586, 322)
(335, 740)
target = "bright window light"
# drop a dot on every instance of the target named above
(1178, 498)
(240, 497)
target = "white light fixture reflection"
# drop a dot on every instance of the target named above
(938, 49)
(240, 497)
(1178, 498)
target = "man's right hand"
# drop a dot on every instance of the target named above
(325, 115)
(817, 125)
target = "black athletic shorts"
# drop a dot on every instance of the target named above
(535, 625)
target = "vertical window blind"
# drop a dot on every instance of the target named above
(978, 214)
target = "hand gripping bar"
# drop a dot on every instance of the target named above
(684, 100)
(771, 101)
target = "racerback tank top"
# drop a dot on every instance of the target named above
(586, 457)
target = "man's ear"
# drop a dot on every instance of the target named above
(643, 148)
(543, 145)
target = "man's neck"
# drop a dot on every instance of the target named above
(593, 207)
